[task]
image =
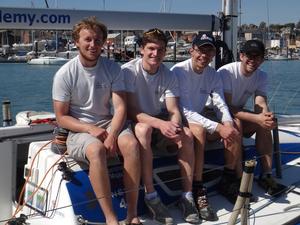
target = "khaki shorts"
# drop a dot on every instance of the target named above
(77, 143)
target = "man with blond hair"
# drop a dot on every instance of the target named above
(82, 91)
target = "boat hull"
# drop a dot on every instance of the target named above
(48, 61)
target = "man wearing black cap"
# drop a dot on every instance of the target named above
(201, 87)
(242, 80)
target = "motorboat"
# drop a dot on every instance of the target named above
(278, 57)
(48, 60)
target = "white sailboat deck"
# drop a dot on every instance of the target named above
(267, 210)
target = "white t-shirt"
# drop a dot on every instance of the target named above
(88, 89)
(151, 89)
(198, 91)
(241, 87)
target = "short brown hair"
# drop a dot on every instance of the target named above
(153, 36)
(89, 23)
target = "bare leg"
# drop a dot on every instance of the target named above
(143, 133)
(98, 172)
(186, 159)
(233, 153)
(263, 142)
(264, 147)
(128, 146)
(200, 135)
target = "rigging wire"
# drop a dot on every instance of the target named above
(36, 190)
(19, 206)
(27, 178)
(290, 100)
(276, 89)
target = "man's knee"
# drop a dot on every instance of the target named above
(186, 138)
(95, 152)
(246, 128)
(238, 123)
(188, 133)
(143, 130)
(197, 131)
(129, 148)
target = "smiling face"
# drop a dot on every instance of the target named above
(89, 44)
(250, 62)
(153, 55)
(202, 56)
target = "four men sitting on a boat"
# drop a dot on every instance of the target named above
(175, 107)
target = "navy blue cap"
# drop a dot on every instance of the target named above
(204, 39)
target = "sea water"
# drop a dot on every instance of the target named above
(28, 87)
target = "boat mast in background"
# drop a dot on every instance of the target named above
(230, 13)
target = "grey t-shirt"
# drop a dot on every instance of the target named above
(151, 89)
(88, 90)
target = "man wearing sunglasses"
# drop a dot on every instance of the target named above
(243, 80)
(201, 99)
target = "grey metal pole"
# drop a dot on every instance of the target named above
(276, 152)
(6, 113)
(134, 50)
(174, 52)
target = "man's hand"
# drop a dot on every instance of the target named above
(109, 141)
(228, 133)
(98, 132)
(266, 120)
(110, 144)
(170, 129)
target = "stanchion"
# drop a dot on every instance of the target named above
(242, 202)
(6, 114)
(276, 152)
(174, 52)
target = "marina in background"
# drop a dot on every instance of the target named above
(30, 85)
(24, 37)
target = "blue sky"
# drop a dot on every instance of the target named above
(253, 11)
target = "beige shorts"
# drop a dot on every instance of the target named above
(77, 142)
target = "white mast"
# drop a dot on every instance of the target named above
(230, 10)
